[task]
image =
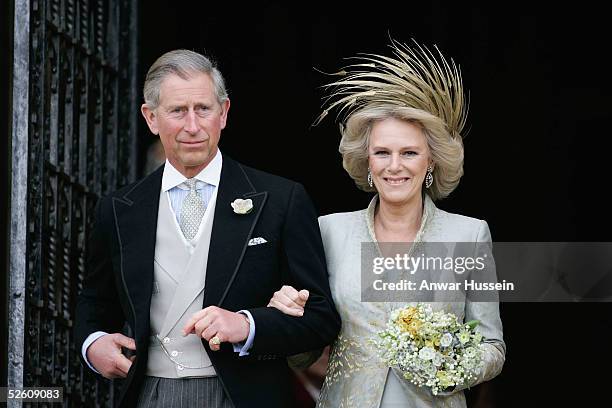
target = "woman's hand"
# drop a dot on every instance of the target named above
(289, 301)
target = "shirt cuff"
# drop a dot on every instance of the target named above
(88, 341)
(243, 347)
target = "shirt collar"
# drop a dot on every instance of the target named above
(211, 174)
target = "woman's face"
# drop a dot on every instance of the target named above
(398, 156)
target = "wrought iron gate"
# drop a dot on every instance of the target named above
(74, 138)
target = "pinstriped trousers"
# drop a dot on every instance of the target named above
(159, 392)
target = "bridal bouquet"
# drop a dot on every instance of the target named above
(432, 349)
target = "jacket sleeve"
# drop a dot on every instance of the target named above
(304, 267)
(487, 313)
(490, 326)
(98, 307)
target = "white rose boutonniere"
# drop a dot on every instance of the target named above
(241, 206)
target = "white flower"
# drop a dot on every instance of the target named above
(438, 360)
(468, 363)
(241, 206)
(464, 336)
(446, 340)
(426, 353)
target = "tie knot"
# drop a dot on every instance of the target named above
(191, 183)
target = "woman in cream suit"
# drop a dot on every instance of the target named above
(401, 138)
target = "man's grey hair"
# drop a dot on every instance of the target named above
(182, 63)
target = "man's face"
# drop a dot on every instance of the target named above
(188, 120)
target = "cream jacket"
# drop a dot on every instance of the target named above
(356, 377)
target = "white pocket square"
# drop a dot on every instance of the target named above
(257, 241)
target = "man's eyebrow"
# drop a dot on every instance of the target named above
(174, 106)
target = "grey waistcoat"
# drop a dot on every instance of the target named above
(178, 292)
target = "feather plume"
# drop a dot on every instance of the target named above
(413, 77)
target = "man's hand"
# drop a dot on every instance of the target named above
(105, 355)
(214, 321)
(289, 301)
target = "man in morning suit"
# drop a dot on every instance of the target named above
(189, 257)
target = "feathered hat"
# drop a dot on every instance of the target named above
(416, 77)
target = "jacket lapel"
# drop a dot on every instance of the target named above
(135, 222)
(230, 232)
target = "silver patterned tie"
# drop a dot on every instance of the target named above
(192, 211)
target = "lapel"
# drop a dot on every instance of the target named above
(230, 232)
(136, 222)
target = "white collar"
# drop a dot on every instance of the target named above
(209, 174)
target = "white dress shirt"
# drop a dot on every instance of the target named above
(173, 183)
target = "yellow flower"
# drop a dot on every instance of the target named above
(444, 379)
(413, 327)
(402, 325)
(436, 340)
(406, 318)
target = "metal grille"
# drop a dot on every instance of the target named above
(81, 144)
